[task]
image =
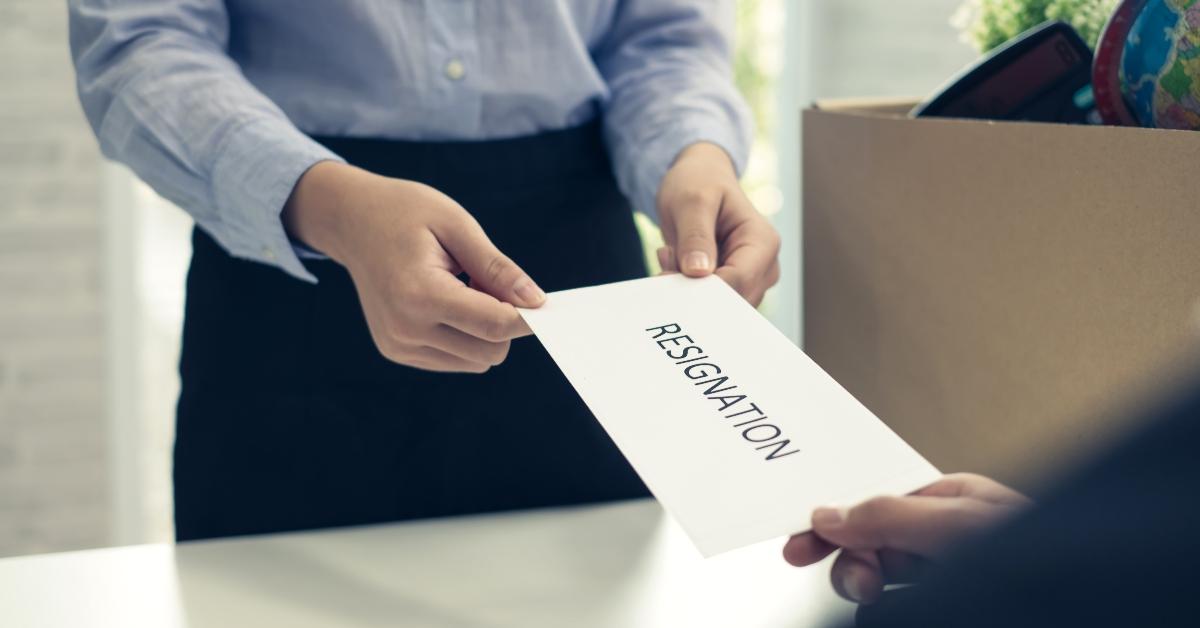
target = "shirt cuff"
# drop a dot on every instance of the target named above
(644, 170)
(256, 169)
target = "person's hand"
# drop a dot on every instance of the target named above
(709, 225)
(404, 244)
(889, 540)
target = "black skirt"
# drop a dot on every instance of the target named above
(289, 418)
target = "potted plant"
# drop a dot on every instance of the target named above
(988, 23)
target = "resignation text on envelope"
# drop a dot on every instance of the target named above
(734, 429)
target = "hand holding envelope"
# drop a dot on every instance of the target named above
(894, 540)
(736, 432)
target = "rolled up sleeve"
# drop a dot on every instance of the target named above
(164, 98)
(668, 66)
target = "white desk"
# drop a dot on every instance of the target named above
(623, 565)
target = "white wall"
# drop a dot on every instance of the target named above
(852, 48)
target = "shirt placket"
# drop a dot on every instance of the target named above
(454, 55)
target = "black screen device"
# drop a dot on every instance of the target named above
(1042, 75)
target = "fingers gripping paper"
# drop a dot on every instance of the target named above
(736, 432)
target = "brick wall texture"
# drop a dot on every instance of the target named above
(53, 481)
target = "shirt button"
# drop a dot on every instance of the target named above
(268, 253)
(455, 70)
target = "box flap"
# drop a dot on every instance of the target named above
(871, 106)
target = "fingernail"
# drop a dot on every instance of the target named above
(696, 261)
(529, 291)
(829, 517)
(851, 588)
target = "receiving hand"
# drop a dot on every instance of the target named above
(404, 244)
(709, 224)
(888, 540)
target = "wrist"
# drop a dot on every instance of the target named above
(316, 211)
(708, 154)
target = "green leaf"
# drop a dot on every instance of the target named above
(990, 23)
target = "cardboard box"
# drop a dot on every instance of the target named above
(1002, 294)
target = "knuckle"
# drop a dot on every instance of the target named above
(699, 197)
(419, 364)
(495, 328)
(455, 216)
(478, 368)
(419, 312)
(837, 572)
(970, 478)
(695, 235)
(959, 478)
(500, 353)
(498, 266)
(399, 333)
(394, 351)
(774, 240)
(873, 509)
(409, 290)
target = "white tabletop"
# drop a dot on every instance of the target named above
(622, 564)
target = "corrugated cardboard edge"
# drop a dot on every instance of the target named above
(891, 107)
(899, 108)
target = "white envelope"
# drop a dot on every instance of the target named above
(732, 427)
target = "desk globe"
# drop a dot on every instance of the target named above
(1160, 62)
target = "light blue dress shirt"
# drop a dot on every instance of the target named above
(210, 101)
